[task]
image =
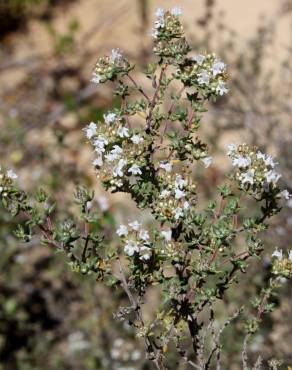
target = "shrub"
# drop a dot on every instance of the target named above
(195, 252)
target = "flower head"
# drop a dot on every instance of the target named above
(122, 230)
(159, 12)
(248, 177)
(231, 149)
(167, 166)
(115, 55)
(131, 248)
(176, 11)
(144, 235)
(218, 67)
(167, 234)
(221, 88)
(135, 225)
(118, 169)
(199, 59)
(11, 175)
(90, 130)
(278, 254)
(123, 132)
(110, 118)
(178, 213)
(285, 194)
(136, 139)
(203, 77)
(207, 161)
(272, 176)
(96, 78)
(135, 170)
(179, 194)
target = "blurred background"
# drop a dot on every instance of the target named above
(50, 317)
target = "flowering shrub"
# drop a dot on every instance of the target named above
(149, 148)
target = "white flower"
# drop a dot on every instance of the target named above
(176, 11)
(136, 139)
(98, 162)
(179, 194)
(164, 194)
(154, 34)
(199, 59)
(96, 78)
(115, 153)
(115, 55)
(145, 257)
(284, 194)
(122, 230)
(218, 67)
(145, 253)
(118, 170)
(103, 203)
(203, 77)
(231, 149)
(11, 174)
(186, 205)
(159, 22)
(110, 118)
(90, 130)
(180, 182)
(112, 156)
(261, 155)
(167, 166)
(290, 256)
(144, 235)
(117, 150)
(278, 254)
(178, 212)
(207, 161)
(123, 132)
(167, 234)
(99, 144)
(221, 88)
(159, 12)
(247, 177)
(241, 161)
(135, 225)
(272, 176)
(269, 161)
(131, 247)
(135, 170)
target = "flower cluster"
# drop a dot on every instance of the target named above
(255, 171)
(167, 24)
(137, 240)
(169, 34)
(118, 150)
(282, 266)
(176, 198)
(206, 72)
(109, 67)
(6, 180)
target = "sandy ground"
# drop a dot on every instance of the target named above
(112, 23)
